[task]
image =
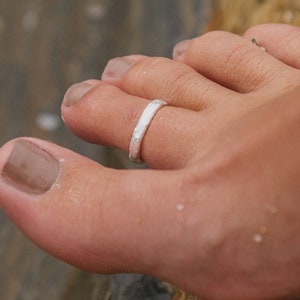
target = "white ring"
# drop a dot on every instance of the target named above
(141, 128)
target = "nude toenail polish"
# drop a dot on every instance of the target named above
(116, 68)
(180, 48)
(75, 92)
(30, 168)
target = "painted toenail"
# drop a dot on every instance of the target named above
(75, 92)
(30, 168)
(116, 68)
(180, 48)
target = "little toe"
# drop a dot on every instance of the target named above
(280, 40)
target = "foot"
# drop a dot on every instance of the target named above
(213, 216)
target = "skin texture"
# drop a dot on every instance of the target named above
(218, 212)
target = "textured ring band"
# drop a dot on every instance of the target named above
(141, 128)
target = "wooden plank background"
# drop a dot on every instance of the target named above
(45, 46)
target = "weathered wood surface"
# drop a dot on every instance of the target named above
(45, 46)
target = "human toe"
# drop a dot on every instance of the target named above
(107, 115)
(235, 62)
(92, 217)
(158, 77)
(280, 40)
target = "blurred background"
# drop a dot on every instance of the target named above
(47, 45)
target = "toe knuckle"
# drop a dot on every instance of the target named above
(149, 65)
(145, 70)
(213, 38)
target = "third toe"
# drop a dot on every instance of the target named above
(156, 77)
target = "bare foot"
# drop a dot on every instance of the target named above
(218, 214)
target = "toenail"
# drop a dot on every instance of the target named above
(116, 68)
(30, 168)
(180, 48)
(75, 92)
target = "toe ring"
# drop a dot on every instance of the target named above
(141, 128)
